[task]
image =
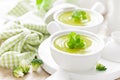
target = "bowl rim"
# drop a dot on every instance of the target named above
(59, 33)
(57, 13)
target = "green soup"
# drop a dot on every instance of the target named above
(66, 18)
(61, 44)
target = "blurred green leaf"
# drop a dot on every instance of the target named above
(80, 15)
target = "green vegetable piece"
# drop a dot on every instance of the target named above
(38, 2)
(18, 72)
(80, 15)
(22, 69)
(36, 63)
(75, 41)
(25, 66)
(44, 4)
(100, 67)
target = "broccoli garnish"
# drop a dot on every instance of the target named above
(80, 15)
(75, 41)
(22, 69)
(36, 63)
(100, 67)
(25, 66)
(18, 72)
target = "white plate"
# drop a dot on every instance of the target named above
(112, 72)
(44, 53)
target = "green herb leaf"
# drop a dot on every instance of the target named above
(80, 15)
(38, 2)
(100, 67)
(44, 4)
(75, 41)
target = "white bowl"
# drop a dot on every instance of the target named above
(93, 25)
(77, 62)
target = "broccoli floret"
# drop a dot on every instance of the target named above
(100, 67)
(36, 63)
(26, 69)
(18, 72)
(25, 66)
(22, 69)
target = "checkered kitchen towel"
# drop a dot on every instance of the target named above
(20, 43)
(12, 59)
(10, 42)
(22, 7)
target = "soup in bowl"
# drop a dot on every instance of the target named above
(77, 18)
(76, 50)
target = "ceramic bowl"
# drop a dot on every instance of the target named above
(77, 62)
(93, 25)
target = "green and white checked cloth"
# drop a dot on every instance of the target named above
(12, 59)
(8, 58)
(9, 43)
(37, 28)
(20, 42)
(9, 33)
(22, 7)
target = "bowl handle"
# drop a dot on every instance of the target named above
(53, 27)
(99, 7)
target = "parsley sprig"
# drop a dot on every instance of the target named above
(100, 67)
(80, 15)
(38, 2)
(75, 41)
